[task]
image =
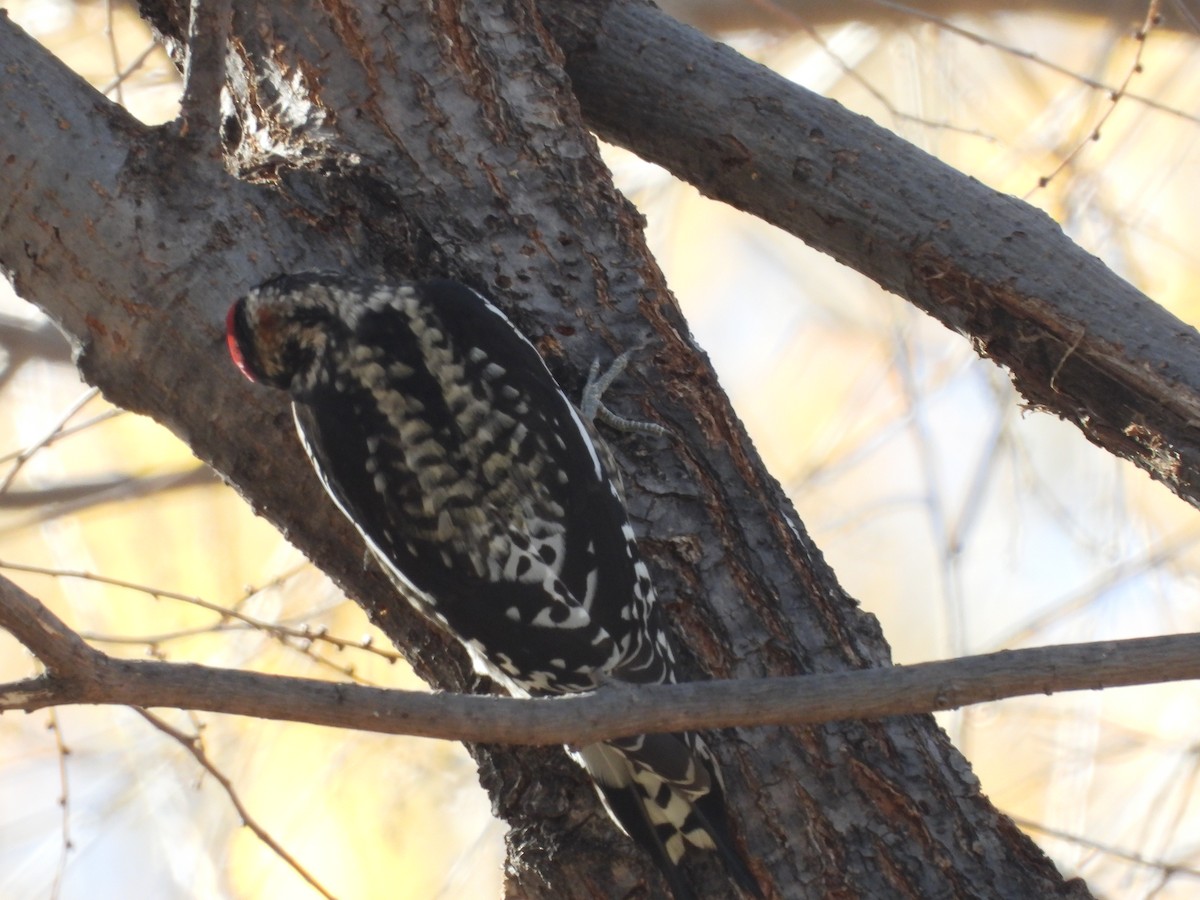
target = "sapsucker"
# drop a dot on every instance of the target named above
(438, 430)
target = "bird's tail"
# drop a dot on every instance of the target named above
(665, 791)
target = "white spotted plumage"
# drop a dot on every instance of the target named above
(440, 433)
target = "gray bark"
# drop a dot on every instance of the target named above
(76, 673)
(1077, 340)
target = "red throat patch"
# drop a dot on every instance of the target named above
(231, 340)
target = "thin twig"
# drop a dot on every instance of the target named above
(1153, 18)
(110, 34)
(65, 498)
(64, 802)
(1106, 849)
(61, 433)
(1030, 56)
(27, 454)
(798, 22)
(285, 634)
(153, 644)
(123, 75)
(1122, 572)
(191, 743)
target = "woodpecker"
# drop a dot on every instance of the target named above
(437, 429)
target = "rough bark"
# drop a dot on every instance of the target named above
(446, 139)
(1077, 340)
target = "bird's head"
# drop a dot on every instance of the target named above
(278, 333)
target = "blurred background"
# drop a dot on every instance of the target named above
(965, 523)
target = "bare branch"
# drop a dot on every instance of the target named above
(64, 804)
(192, 745)
(61, 650)
(801, 700)
(300, 638)
(1168, 868)
(721, 15)
(1152, 20)
(64, 499)
(64, 432)
(204, 74)
(123, 74)
(112, 46)
(55, 431)
(1124, 369)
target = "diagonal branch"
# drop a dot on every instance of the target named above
(63, 652)
(88, 676)
(1079, 341)
(191, 743)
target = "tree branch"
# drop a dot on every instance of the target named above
(1079, 341)
(80, 674)
(63, 652)
(192, 744)
(204, 74)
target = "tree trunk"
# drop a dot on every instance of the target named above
(445, 138)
